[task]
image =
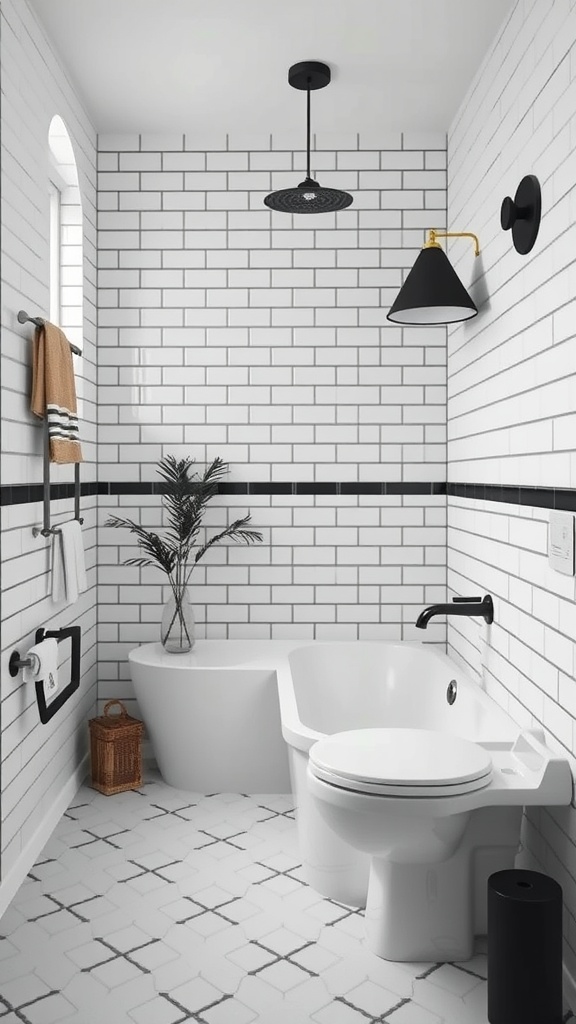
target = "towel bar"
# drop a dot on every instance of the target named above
(23, 318)
(39, 531)
(46, 530)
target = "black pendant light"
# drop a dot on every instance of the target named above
(308, 196)
(433, 293)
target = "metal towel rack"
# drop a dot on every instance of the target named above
(46, 530)
(23, 318)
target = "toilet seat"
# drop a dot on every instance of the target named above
(401, 762)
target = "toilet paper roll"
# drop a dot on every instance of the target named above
(45, 666)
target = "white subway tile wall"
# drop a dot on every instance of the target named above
(512, 386)
(329, 568)
(228, 329)
(38, 761)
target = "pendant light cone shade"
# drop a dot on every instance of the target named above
(308, 196)
(432, 293)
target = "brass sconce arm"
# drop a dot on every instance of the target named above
(431, 243)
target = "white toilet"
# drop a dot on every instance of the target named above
(437, 814)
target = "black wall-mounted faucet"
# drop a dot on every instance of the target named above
(460, 606)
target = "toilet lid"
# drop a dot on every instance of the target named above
(409, 762)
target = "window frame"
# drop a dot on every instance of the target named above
(55, 242)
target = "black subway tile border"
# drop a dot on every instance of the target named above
(565, 500)
(275, 487)
(562, 499)
(558, 498)
(25, 494)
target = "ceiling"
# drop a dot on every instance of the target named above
(221, 65)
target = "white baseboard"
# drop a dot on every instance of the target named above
(569, 989)
(36, 844)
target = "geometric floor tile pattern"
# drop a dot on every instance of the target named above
(158, 906)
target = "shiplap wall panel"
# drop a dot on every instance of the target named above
(37, 761)
(512, 392)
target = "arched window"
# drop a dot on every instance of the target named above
(66, 264)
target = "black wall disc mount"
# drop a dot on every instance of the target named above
(522, 214)
(309, 74)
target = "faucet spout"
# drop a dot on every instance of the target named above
(483, 607)
(428, 613)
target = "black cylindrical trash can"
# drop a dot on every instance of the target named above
(524, 948)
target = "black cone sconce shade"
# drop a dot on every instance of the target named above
(522, 214)
(433, 293)
(308, 196)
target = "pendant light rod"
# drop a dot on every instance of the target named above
(308, 131)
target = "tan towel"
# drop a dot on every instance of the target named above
(54, 392)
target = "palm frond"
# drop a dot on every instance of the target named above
(178, 479)
(185, 496)
(207, 486)
(140, 563)
(236, 531)
(162, 554)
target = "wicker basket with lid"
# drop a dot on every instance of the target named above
(116, 750)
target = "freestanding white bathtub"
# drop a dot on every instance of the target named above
(212, 715)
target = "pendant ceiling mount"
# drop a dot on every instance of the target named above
(309, 74)
(308, 196)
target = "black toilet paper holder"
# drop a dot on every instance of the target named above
(47, 711)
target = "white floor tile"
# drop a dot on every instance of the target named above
(196, 994)
(453, 980)
(412, 1013)
(159, 906)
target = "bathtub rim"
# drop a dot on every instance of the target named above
(210, 655)
(302, 737)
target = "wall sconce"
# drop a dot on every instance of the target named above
(522, 214)
(433, 293)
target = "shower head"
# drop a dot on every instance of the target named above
(308, 196)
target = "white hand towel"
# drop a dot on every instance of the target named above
(69, 559)
(76, 532)
(57, 569)
(68, 569)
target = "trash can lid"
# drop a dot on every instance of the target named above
(528, 886)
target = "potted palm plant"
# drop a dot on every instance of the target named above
(185, 498)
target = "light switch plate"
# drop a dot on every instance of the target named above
(561, 542)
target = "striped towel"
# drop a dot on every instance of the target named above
(54, 392)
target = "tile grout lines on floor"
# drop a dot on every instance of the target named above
(160, 907)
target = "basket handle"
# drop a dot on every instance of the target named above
(110, 704)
